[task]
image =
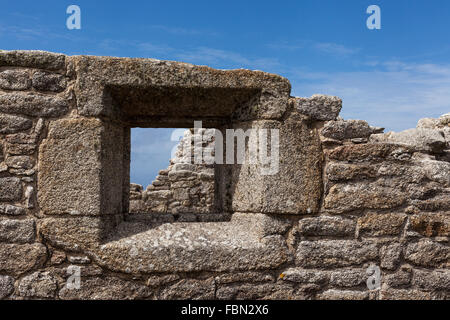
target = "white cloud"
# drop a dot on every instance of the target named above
(217, 58)
(394, 94)
(181, 31)
(212, 56)
(334, 49)
(154, 48)
(328, 48)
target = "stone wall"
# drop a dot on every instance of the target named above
(184, 189)
(348, 198)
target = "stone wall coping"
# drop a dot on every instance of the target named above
(247, 242)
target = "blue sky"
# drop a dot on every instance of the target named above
(390, 77)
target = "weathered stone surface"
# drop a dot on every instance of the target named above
(428, 253)
(428, 123)
(266, 225)
(20, 162)
(17, 231)
(205, 176)
(359, 140)
(438, 171)
(20, 258)
(6, 286)
(361, 195)
(423, 191)
(182, 167)
(404, 294)
(256, 291)
(72, 153)
(79, 259)
(136, 187)
(250, 276)
(371, 152)
(10, 210)
(398, 279)
(188, 289)
(401, 173)
(326, 226)
(62, 148)
(32, 104)
(186, 247)
(158, 85)
(33, 59)
(426, 140)
(106, 289)
(10, 189)
(442, 124)
(334, 253)
(38, 285)
(158, 281)
(390, 255)
(438, 203)
(378, 224)
(432, 280)
(137, 206)
(23, 138)
(343, 171)
(348, 129)
(57, 257)
(67, 273)
(299, 168)
(181, 194)
(348, 278)
(333, 294)
(22, 172)
(76, 233)
(89, 270)
(319, 107)
(46, 81)
(12, 123)
(430, 225)
(159, 194)
(17, 149)
(14, 80)
(305, 276)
